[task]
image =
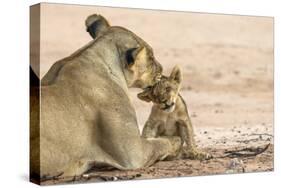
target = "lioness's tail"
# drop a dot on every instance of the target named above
(96, 25)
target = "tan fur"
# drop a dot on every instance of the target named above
(87, 119)
(169, 115)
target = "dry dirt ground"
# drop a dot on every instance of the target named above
(227, 64)
(180, 168)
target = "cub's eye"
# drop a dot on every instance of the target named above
(168, 89)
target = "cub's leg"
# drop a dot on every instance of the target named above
(187, 135)
(152, 128)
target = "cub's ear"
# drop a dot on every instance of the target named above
(145, 95)
(136, 56)
(176, 75)
(96, 25)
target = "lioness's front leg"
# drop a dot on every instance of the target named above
(126, 146)
(187, 134)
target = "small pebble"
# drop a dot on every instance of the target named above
(194, 115)
(218, 104)
(114, 178)
(85, 175)
(236, 72)
(218, 111)
(234, 163)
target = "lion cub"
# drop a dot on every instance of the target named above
(169, 115)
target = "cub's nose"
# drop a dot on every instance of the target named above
(167, 106)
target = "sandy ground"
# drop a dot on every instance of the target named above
(180, 168)
(227, 63)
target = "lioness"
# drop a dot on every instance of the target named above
(169, 115)
(87, 119)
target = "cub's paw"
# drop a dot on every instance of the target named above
(203, 156)
(196, 155)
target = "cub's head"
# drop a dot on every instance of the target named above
(165, 92)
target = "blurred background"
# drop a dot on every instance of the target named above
(227, 60)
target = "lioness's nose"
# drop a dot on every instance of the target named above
(172, 104)
(158, 77)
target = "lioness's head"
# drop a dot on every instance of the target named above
(165, 92)
(139, 66)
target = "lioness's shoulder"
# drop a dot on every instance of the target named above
(55, 69)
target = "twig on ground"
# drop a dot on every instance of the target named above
(246, 152)
(263, 134)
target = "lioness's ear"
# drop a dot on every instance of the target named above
(145, 96)
(136, 56)
(176, 75)
(96, 25)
